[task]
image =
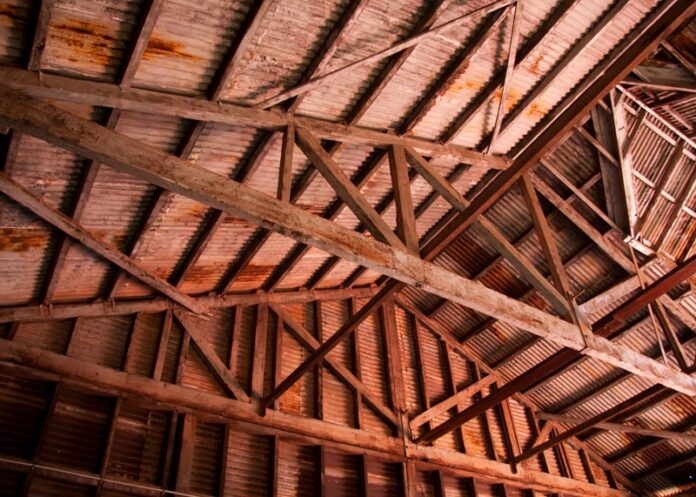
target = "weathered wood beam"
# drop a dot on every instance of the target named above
(622, 428)
(101, 309)
(412, 41)
(191, 326)
(37, 206)
(28, 361)
(168, 172)
(401, 186)
(345, 189)
(609, 153)
(650, 442)
(545, 237)
(258, 365)
(509, 69)
(341, 372)
(109, 95)
(452, 401)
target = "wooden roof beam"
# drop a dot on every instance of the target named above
(37, 206)
(367, 99)
(74, 90)
(622, 428)
(608, 415)
(28, 361)
(32, 313)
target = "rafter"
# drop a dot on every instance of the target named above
(36, 205)
(31, 313)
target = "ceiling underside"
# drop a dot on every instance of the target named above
(619, 180)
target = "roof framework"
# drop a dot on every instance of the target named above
(278, 249)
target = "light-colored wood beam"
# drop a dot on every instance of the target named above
(74, 90)
(31, 313)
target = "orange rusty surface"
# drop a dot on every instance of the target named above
(160, 47)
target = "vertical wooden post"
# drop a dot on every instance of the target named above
(185, 463)
(319, 368)
(285, 171)
(355, 341)
(259, 361)
(405, 216)
(453, 389)
(162, 346)
(278, 357)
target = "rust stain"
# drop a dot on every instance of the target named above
(466, 86)
(534, 66)
(20, 240)
(11, 16)
(88, 41)
(159, 47)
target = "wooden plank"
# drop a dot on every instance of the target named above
(622, 428)
(37, 206)
(109, 95)
(401, 185)
(285, 173)
(412, 41)
(101, 309)
(345, 189)
(452, 401)
(545, 236)
(127, 154)
(509, 69)
(219, 368)
(19, 358)
(185, 453)
(162, 346)
(613, 413)
(258, 367)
